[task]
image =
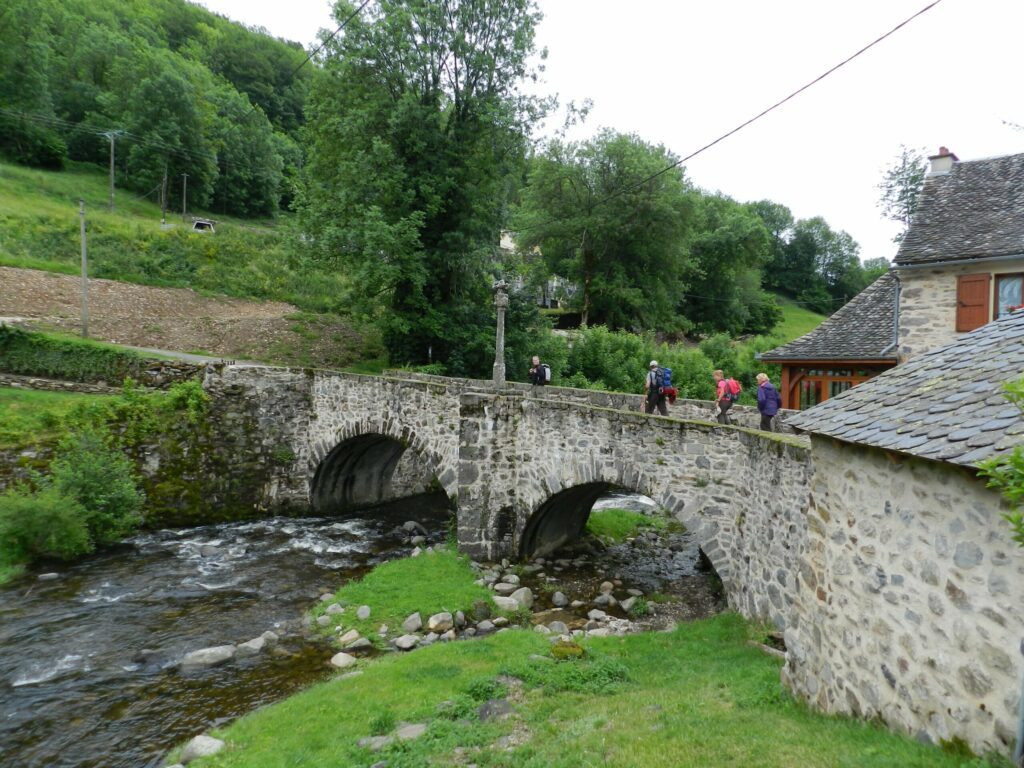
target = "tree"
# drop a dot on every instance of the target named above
(601, 220)
(416, 130)
(901, 186)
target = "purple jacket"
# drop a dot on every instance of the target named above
(768, 400)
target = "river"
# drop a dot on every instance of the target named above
(88, 662)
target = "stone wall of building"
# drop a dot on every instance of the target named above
(742, 493)
(909, 597)
(928, 303)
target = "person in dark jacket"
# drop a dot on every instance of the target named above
(538, 372)
(768, 401)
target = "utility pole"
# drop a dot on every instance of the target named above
(112, 135)
(163, 197)
(85, 273)
(184, 194)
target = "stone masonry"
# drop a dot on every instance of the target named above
(928, 304)
(524, 459)
(908, 606)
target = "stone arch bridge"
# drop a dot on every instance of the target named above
(524, 467)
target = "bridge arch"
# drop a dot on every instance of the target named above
(562, 516)
(358, 468)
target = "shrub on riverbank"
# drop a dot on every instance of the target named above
(57, 356)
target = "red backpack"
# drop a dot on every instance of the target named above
(732, 389)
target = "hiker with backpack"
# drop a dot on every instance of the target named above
(540, 373)
(727, 391)
(658, 389)
(768, 401)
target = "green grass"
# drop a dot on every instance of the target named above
(796, 321)
(10, 572)
(39, 229)
(616, 525)
(31, 417)
(698, 696)
(431, 583)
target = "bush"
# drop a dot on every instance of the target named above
(101, 479)
(46, 523)
(38, 354)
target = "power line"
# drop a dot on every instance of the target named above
(755, 118)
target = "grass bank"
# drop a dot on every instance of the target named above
(698, 696)
(617, 525)
(29, 417)
(431, 583)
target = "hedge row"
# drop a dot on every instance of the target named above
(37, 354)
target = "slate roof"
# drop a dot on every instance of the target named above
(974, 211)
(863, 329)
(946, 404)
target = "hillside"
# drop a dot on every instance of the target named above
(297, 320)
(796, 320)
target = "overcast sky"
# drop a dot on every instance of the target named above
(682, 72)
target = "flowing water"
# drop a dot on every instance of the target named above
(89, 672)
(88, 662)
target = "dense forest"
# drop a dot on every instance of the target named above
(187, 92)
(404, 148)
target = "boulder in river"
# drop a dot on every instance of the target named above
(251, 648)
(505, 603)
(523, 596)
(413, 623)
(342, 660)
(270, 637)
(48, 576)
(208, 657)
(201, 746)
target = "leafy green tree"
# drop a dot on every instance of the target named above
(729, 246)
(1006, 473)
(416, 132)
(901, 186)
(628, 253)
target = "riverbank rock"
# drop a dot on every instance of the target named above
(48, 576)
(334, 609)
(523, 596)
(411, 731)
(440, 622)
(503, 588)
(201, 746)
(208, 657)
(363, 612)
(413, 624)
(505, 603)
(253, 647)
(559, 600)
(342, 660)
(270, 637)
(407, 642)
(627, 604)
(359, 645)
(349, 637)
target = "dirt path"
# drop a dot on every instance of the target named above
(176, 319)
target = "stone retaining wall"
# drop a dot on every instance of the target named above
(909, 602)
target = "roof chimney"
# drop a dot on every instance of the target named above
(942, 163)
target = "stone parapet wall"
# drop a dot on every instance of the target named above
(909, 599)
(741, 415)
(742, 493)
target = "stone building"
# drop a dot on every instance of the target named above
(908, 606)
(960, 266)
(855, 344)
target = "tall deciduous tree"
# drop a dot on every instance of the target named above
(417, 128)
(627, 254)
(901, 186)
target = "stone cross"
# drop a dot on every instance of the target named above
(501, 302)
